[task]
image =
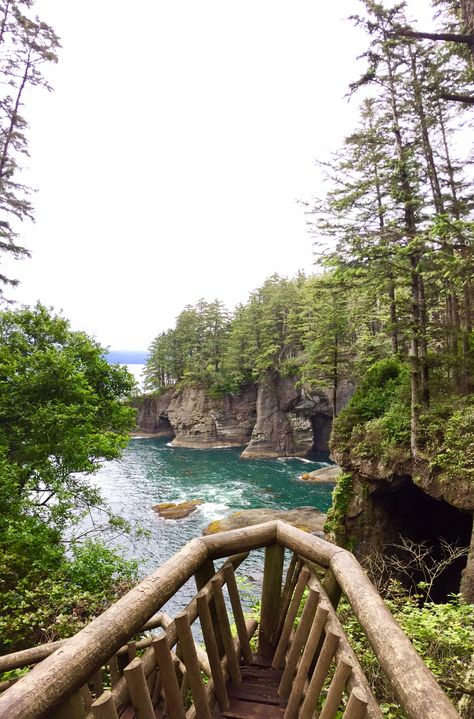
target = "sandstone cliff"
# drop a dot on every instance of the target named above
(273, 419)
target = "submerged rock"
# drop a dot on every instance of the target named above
(326, 474)
(309, 519)
(172, 510)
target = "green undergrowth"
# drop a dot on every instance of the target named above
(341, 497)
(56, 597)
(375, 425)
(443, 635)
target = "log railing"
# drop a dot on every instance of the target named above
(168, 669)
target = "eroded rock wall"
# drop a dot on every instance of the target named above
(201, 421)
(407, 501)
(273, 419)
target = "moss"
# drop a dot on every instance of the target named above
(341, 497)
(214, 527)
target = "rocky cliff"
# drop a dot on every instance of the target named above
(381, 505)
(272, 419)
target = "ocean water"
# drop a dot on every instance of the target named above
(151, 472)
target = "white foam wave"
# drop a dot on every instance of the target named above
(213, 510)
(298, 459)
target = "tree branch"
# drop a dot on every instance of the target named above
(446, 36)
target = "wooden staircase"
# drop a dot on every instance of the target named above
(299, 664)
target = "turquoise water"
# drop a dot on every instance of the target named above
(152, 472)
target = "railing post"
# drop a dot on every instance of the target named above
(204, 575)
(73, 708)
(271, 599)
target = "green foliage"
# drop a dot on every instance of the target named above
(377, 410)
(341, 497)
(443, 635)
(450, 441)
(56, 596)
(62, 412)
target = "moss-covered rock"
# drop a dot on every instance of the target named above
(172, 510)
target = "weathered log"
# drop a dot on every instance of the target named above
(271, 600)
(168, 678)
(238, 613)
(25, 657)
(138, 689)
(104, 707)
(357, 677)
(357, 705)
(284, 690)
(290, 619)
(190, 660)
(305, 662)
(320, 673)
(231, 655)
(306, 545)
(212, 649)
(240, 540)
(336, 688)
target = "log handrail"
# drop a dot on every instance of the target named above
(60, 675)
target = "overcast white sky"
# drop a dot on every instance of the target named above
(171, 154)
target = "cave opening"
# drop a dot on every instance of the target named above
(322, 426)
(164, 427)
(416, 516)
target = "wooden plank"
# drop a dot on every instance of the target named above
(251, 710)
(191, 713)
(254, 693)
(271, 600)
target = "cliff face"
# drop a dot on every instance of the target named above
(201, 421)
(274, 419)
(290, 421)
(386, 504)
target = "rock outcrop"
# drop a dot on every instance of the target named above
(273, 419)
(152, 415)
(201, 421)
(173, 510)
(326, 474)
(291, 421)
(309, 519)
(408, 500)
